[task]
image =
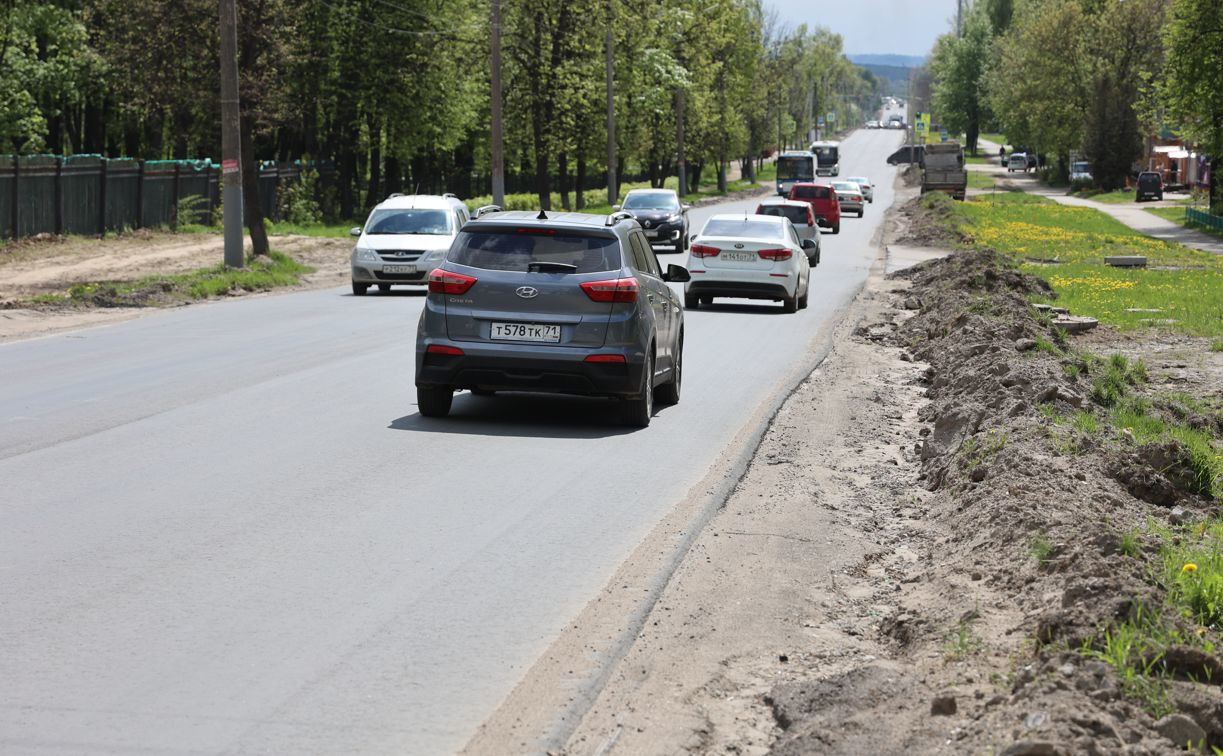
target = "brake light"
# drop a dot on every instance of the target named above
(810, 217)
(444, 349)
(618, 358)
(775, 254)
(616, 290)
(704, 250)
(449, 282)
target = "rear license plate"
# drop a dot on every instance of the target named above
(738, 256)
(526, 332)
(398, 268)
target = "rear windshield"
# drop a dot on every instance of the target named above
(811, 192)
(749, 229)
(796, 215)
(432, 222)
(515, 248)
(795, 168)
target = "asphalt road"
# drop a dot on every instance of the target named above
(227, 529)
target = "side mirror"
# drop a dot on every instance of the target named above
(354, 231)
(686, 208)
(693, 237)
(809, 244)
(615, 207)
(677, 274)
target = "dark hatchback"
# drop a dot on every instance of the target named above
(661, 215)
(1150, 186)
(563, 303)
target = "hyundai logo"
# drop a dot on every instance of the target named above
(527, 292)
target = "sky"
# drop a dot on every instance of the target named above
(899, 27)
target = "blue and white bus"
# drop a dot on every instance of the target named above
(829, 156)
(794, 167)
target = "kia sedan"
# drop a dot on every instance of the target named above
(748, 256)
(849, 195)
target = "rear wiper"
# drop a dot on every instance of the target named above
(551, 267)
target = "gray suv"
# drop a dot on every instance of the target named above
(560, 303)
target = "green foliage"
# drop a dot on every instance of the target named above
(962, 643)
(1203, 447)
(298, 199)
(1135, 650)
(958, 64)
(1114, 377)
(192, 210)
(1130, 546)
(1193, 68)
(1041, 548)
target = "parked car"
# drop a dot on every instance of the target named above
(1150, 186)
(823, 201)
(872, 124)
(850, 197)
(404, 239)
(569, 303)
(801, 216)
(1080, 170)
(751, 256)
(661, 215)
(910, 153)
(1018, 161)
(868, 189)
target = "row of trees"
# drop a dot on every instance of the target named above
(1086, 76)
(395, 93)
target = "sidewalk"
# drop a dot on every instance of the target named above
(1132, 214)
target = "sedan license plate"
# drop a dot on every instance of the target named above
(738, 256)
(652, 233)
(398, 268)
(526, 332)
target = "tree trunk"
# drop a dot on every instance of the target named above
(562, 177)
(579, 191)
(721, 176)
(394, 176)
(1216, 200)
(250, 190)
(375, 161)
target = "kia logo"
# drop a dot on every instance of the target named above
(646, 224)
(738, 246)
(527, 292)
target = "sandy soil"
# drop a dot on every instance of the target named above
(51, 265)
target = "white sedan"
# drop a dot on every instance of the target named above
(751, 257)
(868, 189)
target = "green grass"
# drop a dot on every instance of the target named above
(1177, 215)
(1183, 284)
(335, 230)
(260, 274)
(995, 138)
(1130, 546)
(1116, 197)
(1149, 425)
(1041, 548)
(1135, 649)
(1113, 378)
(963, 643)
(981, 180)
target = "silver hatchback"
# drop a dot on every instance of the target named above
(560, 303)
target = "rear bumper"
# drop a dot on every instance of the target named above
(742, 289)
(528, 368)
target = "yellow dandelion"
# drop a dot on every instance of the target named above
(1189, 567)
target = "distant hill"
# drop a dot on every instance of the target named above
(895, 78)
(899, 61)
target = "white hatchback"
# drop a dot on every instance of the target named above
(404, 239)
(748, 256)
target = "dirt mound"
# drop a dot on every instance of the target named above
(924, 220)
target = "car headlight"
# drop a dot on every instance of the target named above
(365, 254)
(436, 255)
(673, 217)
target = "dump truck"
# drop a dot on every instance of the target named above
(943, 170)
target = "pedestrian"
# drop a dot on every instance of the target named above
(1002, 156)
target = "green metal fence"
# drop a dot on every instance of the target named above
(90, 194)
(1202, 218)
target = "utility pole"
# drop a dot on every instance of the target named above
(612, 193)
(231, 165)
(681, 167)
(498, 146)
(959, 18)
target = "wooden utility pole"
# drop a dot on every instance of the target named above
(231, 164)
(612, 193)
(498, 145)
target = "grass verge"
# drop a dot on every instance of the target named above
(1177, 215)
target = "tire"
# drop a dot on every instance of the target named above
(668, 393)
(681, 244)
(384, 288)
(434, 401)
(802, 301)
(861, 213)
(636, 412)
(836, 229)
(358, 289)
(692, 302)
(790, 304)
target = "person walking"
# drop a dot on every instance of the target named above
(1002, 156)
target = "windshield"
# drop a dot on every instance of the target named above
(858, 179)
(747, 229)
(845, 186)
(515, 248)
(826, 154)
(426, 222)
(792, 213)
(1078, 168)
(651, 201)
(795, 168)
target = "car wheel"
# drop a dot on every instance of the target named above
(691, 302)
(790, 304)
(384, 288)
(668, 393)
(861, 213)
(802, 301)
(679, 246)
(434, 401)
(636, 412)
(1159, 197)
(836, 229)
(358, 289)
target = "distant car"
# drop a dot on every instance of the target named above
(404, 238)
(910, 153)
(661, 215)
(750, 256)
(1018, 161)
(868, 189)
(1150, 186)
(872, 124)
(850, 197)
(801, 216)
(571, 303)
(1080, 170)
(823, 201)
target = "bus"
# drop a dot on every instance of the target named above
(793, 167)
(829, 156)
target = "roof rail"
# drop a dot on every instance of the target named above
(450, 195)
(618, 216)
(487, 209)
(393, 195)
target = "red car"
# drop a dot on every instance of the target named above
(823, 201)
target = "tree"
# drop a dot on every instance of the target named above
(958, 66)
(1193, 70)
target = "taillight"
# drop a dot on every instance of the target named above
(775, 254)
(444, 349)
(449, 282)
(704, 250)
(616, 290)
(810, 217)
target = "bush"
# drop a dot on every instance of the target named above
(298, 200)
